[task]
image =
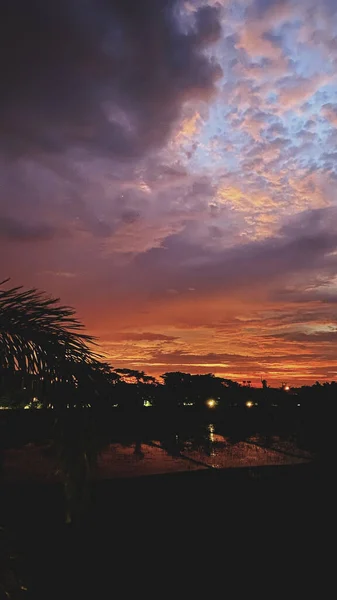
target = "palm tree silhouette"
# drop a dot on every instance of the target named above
(44, 352)
(39, 337)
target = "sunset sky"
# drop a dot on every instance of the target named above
(169, 168)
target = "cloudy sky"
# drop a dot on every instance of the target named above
(169, 168)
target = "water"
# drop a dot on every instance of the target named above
(217, 451)
(199, 449)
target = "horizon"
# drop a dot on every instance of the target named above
(168, 168)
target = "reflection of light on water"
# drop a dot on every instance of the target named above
(211, 438)
(211, 432)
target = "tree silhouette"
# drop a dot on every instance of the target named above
(40, 338)
(44, 351)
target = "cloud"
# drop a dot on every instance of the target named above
(329, 111)
(306, 245)
(296, 90)
(188, 358)
(17, 231)
(106, 76)
(256, 37)
(311, 338)
(143, 336)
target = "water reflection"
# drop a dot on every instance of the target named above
(207, 444)
(138, 449)
(215, 445)
(211, 430)
(205, 447)
(285, 444)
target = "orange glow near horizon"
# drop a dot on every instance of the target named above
(249, 345)
(253, 342)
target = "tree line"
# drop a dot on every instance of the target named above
(47, 361)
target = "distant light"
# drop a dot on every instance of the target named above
(249, 404)
(211, 403)
(298, 405)
(287, 388)
(147, 403)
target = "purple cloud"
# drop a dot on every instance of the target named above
(110, 77)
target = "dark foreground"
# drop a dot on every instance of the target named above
(231, 532)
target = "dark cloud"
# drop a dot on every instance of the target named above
(17, 231)
(186, 358)
(311, 338)
(315, 223)
(303, 247)
(130, 216)
(215, 232)
(144, 336)
(275, 39)
(104, 74)
(276, 129)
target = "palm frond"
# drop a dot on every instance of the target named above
(38, 336)
(42, 343)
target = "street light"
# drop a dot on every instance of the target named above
(211, 403)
